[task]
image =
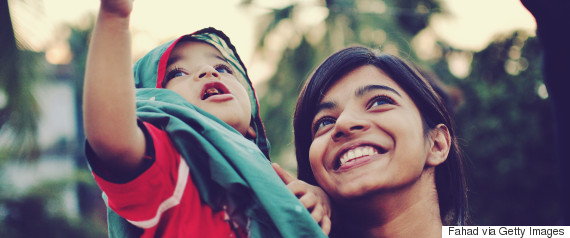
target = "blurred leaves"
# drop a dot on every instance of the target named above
(414, 15)
(38, 212)
(271, 20)
(18, 108)
(41, 210)
(278, 103)
(509, 137)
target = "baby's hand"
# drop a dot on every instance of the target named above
(312, 197)
(120, 8)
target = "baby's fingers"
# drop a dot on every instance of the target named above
(283, 174)
(309, 201)
(326, 225)
(319, 215)
(299, 188)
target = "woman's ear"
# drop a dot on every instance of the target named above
(440, 145)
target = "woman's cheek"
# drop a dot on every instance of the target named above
(315, 156)
(317, 159)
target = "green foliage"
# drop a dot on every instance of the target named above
(38, 213)
(278, 103)
(413, 15)
(18, 108)
(271, 21)
(508, 136)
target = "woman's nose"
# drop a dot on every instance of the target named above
(207, 71)
(348, 124)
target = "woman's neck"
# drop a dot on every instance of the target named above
(410, 211)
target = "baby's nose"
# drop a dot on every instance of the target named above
(207, 72)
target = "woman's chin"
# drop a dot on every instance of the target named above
(349, 193)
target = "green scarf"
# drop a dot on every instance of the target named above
(227, 168)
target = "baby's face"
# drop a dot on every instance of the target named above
(199, 73)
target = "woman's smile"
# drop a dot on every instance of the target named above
(355, 155)
(352, 156)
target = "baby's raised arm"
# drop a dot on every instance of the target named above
(109, 94)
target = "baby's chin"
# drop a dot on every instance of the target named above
(235, 120)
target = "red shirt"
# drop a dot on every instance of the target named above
(163, 200)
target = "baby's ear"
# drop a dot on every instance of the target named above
(440, 145)
(251, 134)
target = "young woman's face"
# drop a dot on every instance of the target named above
(367, 136)
(200, 73)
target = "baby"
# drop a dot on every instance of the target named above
(184, 154)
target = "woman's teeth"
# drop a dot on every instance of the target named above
(357, 153)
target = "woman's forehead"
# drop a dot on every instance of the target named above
(361, 80)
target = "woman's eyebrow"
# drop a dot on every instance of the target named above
(326, 106)
(363, 90)
(359, 93)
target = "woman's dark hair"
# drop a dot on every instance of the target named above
(449, 176)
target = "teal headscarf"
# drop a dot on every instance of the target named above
(227, 169)
(150, 71)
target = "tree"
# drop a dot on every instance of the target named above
(507, 130)
(18, 108)
(33, 213)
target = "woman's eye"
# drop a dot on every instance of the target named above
(223, 69)
(323, 122)
(380, 100)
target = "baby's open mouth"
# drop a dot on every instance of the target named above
(212, 89)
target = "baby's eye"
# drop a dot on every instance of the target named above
(178, 74)
(222, 68)
(175, 73)
(322, 123)
(379, 100)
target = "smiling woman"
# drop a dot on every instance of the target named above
(377, 138)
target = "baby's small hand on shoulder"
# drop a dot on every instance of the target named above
(312, 197)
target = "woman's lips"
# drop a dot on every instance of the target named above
(357, 155)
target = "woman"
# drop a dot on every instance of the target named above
(377, 138)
